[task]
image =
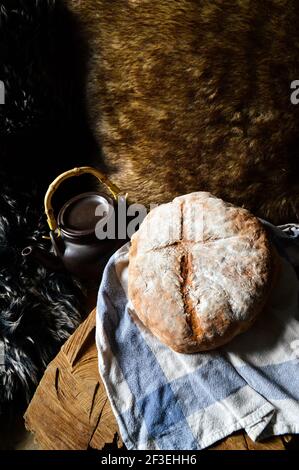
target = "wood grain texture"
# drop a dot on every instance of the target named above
(275, 443)
(70, 409)
(235, 442)
(240, 441)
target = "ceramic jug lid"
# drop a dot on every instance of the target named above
(78, 216)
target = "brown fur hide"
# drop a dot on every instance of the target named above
(189, 95)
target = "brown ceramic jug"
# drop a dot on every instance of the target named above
(75, 246)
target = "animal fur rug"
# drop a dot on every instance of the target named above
(42, 132)
(191, 95)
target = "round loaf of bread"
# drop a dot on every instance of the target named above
(200, 271)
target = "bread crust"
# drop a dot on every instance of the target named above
(200, 272)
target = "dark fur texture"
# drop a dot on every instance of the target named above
(193, 95)
(43, 125)
(43, 131)
(39, 309)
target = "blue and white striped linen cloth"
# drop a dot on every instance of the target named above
(165, 400)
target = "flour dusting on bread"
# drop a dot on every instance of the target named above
(200, 271)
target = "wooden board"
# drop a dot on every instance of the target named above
(70, 409)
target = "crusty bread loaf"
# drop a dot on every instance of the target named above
(200, 271)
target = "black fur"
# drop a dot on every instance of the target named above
(39, 309)
(43, 131)
(43, 125)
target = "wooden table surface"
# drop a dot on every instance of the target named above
(70, 409)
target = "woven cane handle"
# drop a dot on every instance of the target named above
(69, 174)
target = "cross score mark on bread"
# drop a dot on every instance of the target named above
(200, 271)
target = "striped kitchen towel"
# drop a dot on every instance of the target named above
(167, 400)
